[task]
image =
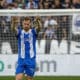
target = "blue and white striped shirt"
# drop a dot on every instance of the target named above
(27, 45)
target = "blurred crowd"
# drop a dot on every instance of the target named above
(53, 27)
(39, 4)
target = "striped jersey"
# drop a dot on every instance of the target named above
(27, 45)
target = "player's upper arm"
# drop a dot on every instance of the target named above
(14, 28)
(38, 27)
(15, 23)
(34, 31)
(17, 30)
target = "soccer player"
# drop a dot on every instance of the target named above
(26, 48)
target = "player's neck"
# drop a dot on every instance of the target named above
(26, 30)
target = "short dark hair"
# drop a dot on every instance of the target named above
(11, 5)
(27, 18)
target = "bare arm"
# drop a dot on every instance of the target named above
(14, 23)
(37, 25)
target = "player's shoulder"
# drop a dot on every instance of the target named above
(33, 30)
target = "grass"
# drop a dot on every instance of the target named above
(45, 78)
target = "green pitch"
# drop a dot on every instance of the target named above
(45, 78)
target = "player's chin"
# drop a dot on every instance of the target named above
(26, 29)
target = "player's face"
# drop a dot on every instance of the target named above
(26, 25)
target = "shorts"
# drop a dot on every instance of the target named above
(29, 70)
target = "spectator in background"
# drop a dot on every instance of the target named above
(41, 1)
(40, 4)
(4, 31)
(9, 1)
(1, 4)
(62, 29)
(37, 1)
(15, 6)
(49, 21)
(76, 4)
(5, 4)
(67, 4)
(4, 26)
(20, 4)
(65, 25)
(31, 5)
(48, 34)
(51, 4)
(46, 5)
(57, 5)
(10, 6)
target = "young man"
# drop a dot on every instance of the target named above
(26, 49)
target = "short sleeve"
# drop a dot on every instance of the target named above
(18, 31)
(34, 31)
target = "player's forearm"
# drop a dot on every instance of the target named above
(13, 26)
(38, 28)
(14, 23)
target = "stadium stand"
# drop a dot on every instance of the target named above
(52, 29)
(39, 4)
